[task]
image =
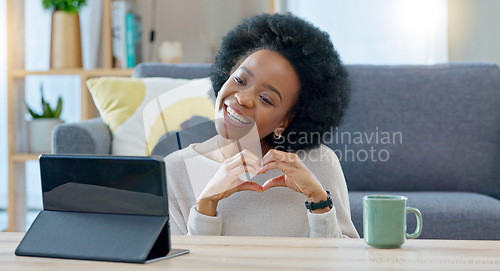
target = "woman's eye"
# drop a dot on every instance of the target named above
(266, 100)
(238, 80)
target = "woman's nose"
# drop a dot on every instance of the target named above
(244, 98)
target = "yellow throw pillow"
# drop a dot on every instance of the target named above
(139, 111)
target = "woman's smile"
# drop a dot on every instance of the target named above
(234, 117)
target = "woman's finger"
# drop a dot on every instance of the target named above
(245, 168)
(283, 161)
(240, 185)
(247, 165)
(276, 155)
(244, 155)
(274, 182)
(250, 186)
(271, 165)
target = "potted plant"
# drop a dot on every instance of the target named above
(65, 42)
(41, 126)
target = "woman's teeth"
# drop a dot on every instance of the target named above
(235, 116)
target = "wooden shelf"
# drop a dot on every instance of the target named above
(108, 72)
(23, 157)
(19, 73)
(16, 75)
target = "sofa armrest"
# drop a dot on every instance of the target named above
(87, 137)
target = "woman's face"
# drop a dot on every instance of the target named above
(262, 90)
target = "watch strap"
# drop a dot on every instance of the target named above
(320, 205)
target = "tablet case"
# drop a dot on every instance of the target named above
(121, 215)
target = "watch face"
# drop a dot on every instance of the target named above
(104, 184)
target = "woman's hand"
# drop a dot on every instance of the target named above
(296, 176)
(226, 182)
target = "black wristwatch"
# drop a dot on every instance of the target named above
(320, 205)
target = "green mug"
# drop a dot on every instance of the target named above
(384, 221)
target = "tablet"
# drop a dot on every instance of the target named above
(106, 208)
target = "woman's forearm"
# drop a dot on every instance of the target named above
(207, 206)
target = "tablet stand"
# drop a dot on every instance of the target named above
(97, 236)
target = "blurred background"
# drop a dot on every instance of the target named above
(379, 32)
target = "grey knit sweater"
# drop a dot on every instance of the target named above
(278, 211)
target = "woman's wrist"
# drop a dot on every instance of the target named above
(318, 193)
(318, 196)
(206, 206)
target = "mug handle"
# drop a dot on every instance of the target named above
(420, 223)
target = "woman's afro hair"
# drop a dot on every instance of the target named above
(324, 84)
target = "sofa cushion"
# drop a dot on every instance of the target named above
(422, 128)
(446, 215)
(139, 111)
(194, 130)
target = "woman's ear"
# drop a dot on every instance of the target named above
(284, 124)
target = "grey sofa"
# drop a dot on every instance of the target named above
(431, 133)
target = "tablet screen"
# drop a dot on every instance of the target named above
(104, 184)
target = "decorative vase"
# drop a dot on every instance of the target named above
(40, 134)
(170, 52)
(65, 44)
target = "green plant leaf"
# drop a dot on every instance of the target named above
(43, 100)
(57, 112)
(47, 111)
(70, 6)
(32, 113)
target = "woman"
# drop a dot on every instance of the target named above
(280, 86)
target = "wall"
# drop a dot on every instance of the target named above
(382, 32)
(198, 24)
(474, 30)
(3, 113)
